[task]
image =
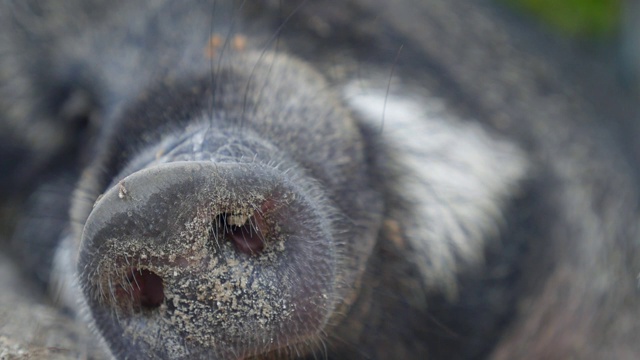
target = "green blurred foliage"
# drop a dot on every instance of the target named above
(597, 19)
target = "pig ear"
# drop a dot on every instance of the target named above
(447, 179)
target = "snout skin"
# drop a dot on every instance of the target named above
(162, 260)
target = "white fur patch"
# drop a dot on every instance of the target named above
(66, 290)
(64, 284)
(452, 177)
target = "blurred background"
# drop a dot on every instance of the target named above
(606, 26)
(586, 19)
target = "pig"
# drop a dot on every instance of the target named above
(310, 179)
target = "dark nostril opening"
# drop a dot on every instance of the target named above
(147, 288)
(247, 239)
(245, 232)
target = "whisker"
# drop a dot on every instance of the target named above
(273, 38)
(386, 97)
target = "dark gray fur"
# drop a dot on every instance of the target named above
(478, 197)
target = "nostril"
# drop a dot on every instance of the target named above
(146, 289)
(247, 239)
(247, 233)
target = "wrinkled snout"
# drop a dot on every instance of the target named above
(203, 259)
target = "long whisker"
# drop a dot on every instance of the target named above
(265, 48)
